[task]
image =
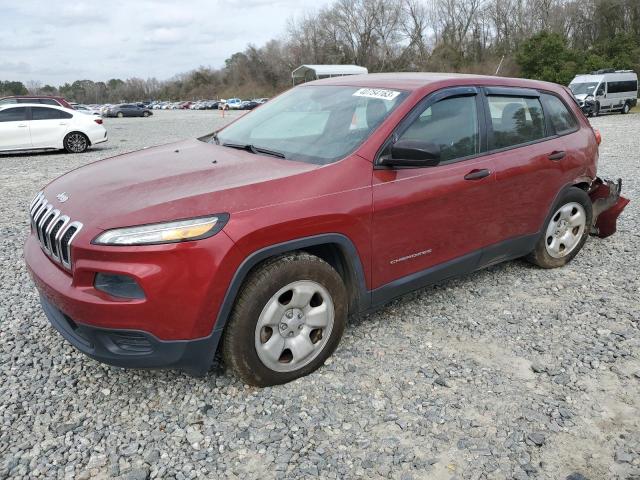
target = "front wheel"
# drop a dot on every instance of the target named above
(287, 320)
(120, 115)
(145, 114)
(565, 232)
(76, 142)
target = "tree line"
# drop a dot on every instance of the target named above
(544, 39)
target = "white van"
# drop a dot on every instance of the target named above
(608, 90)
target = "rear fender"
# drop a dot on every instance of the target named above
(607, 206)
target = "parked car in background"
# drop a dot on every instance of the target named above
(248, 105)
(380, 185)
(34, 126)
(43, 99)
(234, 103)
(85, 109)
(261, 100)
(606, 90)
(128, 110)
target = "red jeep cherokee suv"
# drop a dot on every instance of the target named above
(332, 199)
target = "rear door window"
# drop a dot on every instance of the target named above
(560, 117)
(514, 121)
(44, 113)
(17, 114)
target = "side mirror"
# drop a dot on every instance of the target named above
(413, 153)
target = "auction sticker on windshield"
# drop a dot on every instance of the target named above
(377, 93)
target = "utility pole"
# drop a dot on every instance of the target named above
(499, 65)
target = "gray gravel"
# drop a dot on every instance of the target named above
(512, 372)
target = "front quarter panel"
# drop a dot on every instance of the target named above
(339, 201)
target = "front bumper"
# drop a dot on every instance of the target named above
(133, 348)
(173, 326)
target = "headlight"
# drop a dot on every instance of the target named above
(590, 97)
(169, 232)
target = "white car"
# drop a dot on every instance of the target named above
(86, 110)
(31, 126)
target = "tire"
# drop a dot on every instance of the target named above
(596, 109)
(120, 115)
(145, 114)
(565, 231)
(76, 142)
(625, 108)
(272, 318)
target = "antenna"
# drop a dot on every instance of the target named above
(499, 65)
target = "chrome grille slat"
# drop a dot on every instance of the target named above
(65, 221)
(49, 224)
(54, 230)
(41, 220)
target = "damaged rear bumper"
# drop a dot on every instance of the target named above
(607, 206)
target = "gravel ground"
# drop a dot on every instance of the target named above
(510, 373)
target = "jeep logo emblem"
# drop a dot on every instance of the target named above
(62, 197)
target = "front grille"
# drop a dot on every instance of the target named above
(55, 231)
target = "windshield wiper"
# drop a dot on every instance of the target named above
(255, 149)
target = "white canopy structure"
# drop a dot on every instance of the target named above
(306, 73)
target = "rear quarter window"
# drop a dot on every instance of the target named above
(560, 117)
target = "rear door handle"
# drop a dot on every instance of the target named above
(22, 125)
(477, 174)
(557, 155)
(63, 123)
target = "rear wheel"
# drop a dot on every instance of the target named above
(287, 320)
(625, 108)
(120, 115)
(76, 142)
(565, 232)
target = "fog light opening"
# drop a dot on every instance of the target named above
(120, 286)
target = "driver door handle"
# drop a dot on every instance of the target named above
(477, 174)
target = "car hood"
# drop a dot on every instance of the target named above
(180, 180)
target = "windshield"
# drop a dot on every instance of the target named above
(583, 88)
(313, 124)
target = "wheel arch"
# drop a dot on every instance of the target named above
(583, 183)
(334, 248)
(76, 131)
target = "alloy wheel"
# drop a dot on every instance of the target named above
(76, 142)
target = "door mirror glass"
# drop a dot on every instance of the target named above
(413, 153)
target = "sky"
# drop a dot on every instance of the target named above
(58, 41)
